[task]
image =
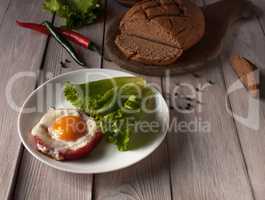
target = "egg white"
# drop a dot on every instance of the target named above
(50, 138)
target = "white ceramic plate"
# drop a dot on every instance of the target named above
(105, 157)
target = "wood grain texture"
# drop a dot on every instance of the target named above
(248, 40)
(34, 175)
(206, 163)
(261, 12)
(202, 165)
(21, 51)
(148, 179)
(4, 6)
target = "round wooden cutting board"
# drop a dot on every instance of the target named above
(219, 17)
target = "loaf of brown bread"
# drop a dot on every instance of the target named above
(173, 25)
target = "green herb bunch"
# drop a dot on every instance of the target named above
(76, 13)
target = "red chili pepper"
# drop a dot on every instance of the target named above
(69, 34)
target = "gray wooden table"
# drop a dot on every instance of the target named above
(225, 162)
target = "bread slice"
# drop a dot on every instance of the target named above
(146, 51)
(246, 71)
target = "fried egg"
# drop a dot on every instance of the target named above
(65, 134)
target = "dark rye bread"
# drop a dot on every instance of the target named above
(146, 51)
(179, 23)
(175, 23)
(220, 16)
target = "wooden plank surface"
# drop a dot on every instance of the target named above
(148, 179)
(34, 175)
(226, 162)
(247, 39)
(20, 51)
(4, 6)
(260, 16)
(206, 163)
(203, 162)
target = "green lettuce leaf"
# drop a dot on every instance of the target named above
(114, 103)
(75, 12)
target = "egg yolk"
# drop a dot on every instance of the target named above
(69, 128)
